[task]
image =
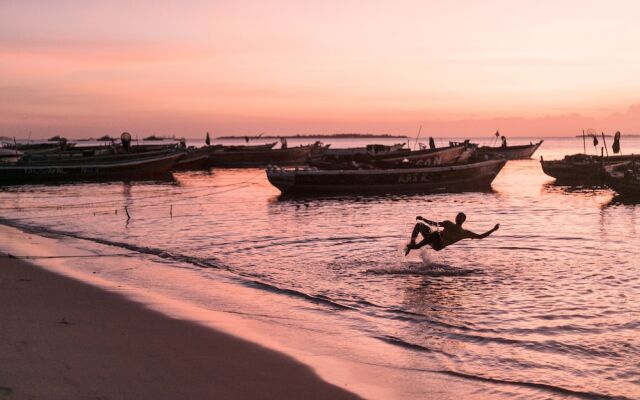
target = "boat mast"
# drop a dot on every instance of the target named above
(605, 144)
(417, 137)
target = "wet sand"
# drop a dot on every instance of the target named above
(60, 338)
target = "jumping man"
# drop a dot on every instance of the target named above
(451, 233)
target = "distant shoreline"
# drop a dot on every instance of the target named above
(328, 136)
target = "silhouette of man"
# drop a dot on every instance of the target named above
(451, 233)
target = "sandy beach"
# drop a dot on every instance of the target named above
(62, 339)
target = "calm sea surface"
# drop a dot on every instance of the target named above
(547, 307)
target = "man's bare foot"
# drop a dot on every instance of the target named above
(407, 249)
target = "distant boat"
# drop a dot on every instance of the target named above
(624, 177)
(240, 156)
(143, 166)
(156, 138)
(579, 169)
(520, 152)
(469, 176)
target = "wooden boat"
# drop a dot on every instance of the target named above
(521, 152)
(248, 147)
(580, 169)
(624, 177)
(144, 166)
(476, 175)
(194, 159)
(10, 156)
(429, 157)
(40, 148)
(235, 158)
(370, 149)
(392, 158)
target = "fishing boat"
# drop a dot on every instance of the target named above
(469, 176)
(624, 177)
(241, 157)
(248, 147)
(9, 155)
(142, 166)
(580, 169)
(370, 149)
(39, 148)
(458, 153)
(520, 152)
(194, 159)
(387, 157)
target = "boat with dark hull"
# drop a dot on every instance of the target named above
(40, 148)
(9, 156)
(457, 153)
(144, 166)
(195, 159)
(247, 147)
(399, 157)
(252, 158)
(520, 152)
(580, 169)
(470, 176)
(624, 178)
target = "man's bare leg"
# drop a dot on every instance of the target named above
(419, 228)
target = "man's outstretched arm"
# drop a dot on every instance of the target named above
(429, 222)
(473, 235)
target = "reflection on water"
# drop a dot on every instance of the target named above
(549, 300)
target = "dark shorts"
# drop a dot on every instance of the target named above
(436, 241)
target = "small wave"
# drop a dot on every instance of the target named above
(425, 270)
(542, 386)
(296, 293)
(399, 342)
(161, 253)
(535, 385)
(173, 256)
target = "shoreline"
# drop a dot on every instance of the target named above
(63, 338)
(355, 369)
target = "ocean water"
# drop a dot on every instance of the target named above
(546, 307)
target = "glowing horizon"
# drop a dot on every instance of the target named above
(287, 67)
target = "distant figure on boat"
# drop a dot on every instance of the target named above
(125, 139)
(504, 141)
(438, 240)
(283, 143)
(432, 143)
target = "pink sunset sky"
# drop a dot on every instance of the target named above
(458, 68)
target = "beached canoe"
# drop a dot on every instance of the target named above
(144, 166)
(469, 176)
(580, 169)
(624, 177)
(238, 158)
(521, 152)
